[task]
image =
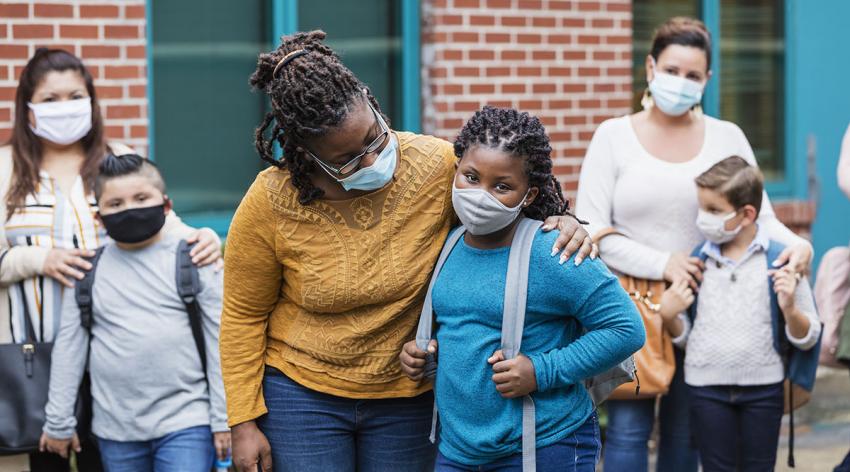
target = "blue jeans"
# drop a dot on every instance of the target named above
(630, 425)
(312, 431)
(578, 452)
(189, 450)
(737, 428)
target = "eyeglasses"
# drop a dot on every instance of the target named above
(352, 165)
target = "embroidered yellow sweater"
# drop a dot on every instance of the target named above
(329, 292)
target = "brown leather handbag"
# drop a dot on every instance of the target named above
(655, 361)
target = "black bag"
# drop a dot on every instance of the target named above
(25, 374)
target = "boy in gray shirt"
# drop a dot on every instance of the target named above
(154, 406)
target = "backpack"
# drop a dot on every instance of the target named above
(188, 287)
(832, 297)
(513, 321)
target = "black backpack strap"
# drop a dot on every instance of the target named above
(188, 287)
(84, 289)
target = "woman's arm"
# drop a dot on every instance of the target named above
(844, 164)
(595, 204)
(614, 329)
(21, 262)
(252, 281)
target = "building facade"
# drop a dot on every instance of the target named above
(173, 78)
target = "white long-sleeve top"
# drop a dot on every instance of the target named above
(844, 164)
(653, 203)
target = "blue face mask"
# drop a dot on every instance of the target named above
(672, 94)
(376, 175)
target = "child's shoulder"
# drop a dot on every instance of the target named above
(543, 260)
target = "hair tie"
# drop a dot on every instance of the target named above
(289, 58)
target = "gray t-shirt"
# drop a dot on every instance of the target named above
(147, 379)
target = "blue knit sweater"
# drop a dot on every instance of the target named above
(479, 426)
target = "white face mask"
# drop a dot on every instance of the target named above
(482, 213)
(713, 227)
(64, 122)
(672, 94)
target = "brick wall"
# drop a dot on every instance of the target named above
(567, 62)
(110, 38)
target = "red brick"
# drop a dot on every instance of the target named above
(18, 70)
(529, 71)
(466, 106)
(99, 11)
(14, 10)
(559, 39)
(573, 22)
(482, 55)
(543, 55)
(573, 55)
(4, 73)
(53, 10)
(574, 120)
(498, 3)
(138, 131)
(619, 6)
(138, 91)
(482, 88)
(110, 91)
(439, 72)
(514, 20)
(115, 132)
(543, 22)
(5, 114)
(604, 88)
(467, 71)
(561, 5)
(123, 111)
(449, 20)
(122, 72)
(136, 52)
(589, 72)
(618, 71)
(479, 20)
(101, 52)
(560, 104)
(3, 31)
(121, 32)
(10, 51)
(544, 88)
(32, 31)
(451, 55)
(513, 55)
(451, 123)
(590, 103)
(513, 88)
(530, 5)
(589, 39)
(7, 93)
(589, 6)
(497, 38)
(618, 39)
(78, 31)
(65, 47)
(452, 89)
(531, 104)
(619, 103)
(466, 3)
(441, 107)
(5, 134)
(498, 71)
(529, 38)
(464, 37)
(561, 71)
(602, 23)
(134, 11)
(501, 103)
(604, 56)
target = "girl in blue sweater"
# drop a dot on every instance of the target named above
(505, 170)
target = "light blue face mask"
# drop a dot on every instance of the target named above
(672, 94)
(376, 175)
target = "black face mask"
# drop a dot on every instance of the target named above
(134, 225)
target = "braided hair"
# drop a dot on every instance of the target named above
(521, 135)
(311, 92)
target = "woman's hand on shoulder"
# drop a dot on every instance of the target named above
(67, 265)
(207, 251)
(798, 258)
(681, 267)
(573, 237)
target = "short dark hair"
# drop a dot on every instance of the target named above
(127, 164)
(739, 182)
(683, 31)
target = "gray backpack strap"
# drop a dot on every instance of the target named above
(424, 332)
(513, 321)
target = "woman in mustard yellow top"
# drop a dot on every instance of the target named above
(326, 266)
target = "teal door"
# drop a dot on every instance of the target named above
(819, 99)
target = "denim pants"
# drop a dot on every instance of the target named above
(578, 452)
(630, 425)
(187, 450)
(312, 431)
(737, 427)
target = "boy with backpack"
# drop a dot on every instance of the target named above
(750, 328)
(158, 394)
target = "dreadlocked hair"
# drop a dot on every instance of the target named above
(520, 135)
(310, 94)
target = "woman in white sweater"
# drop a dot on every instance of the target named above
(638, 176)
